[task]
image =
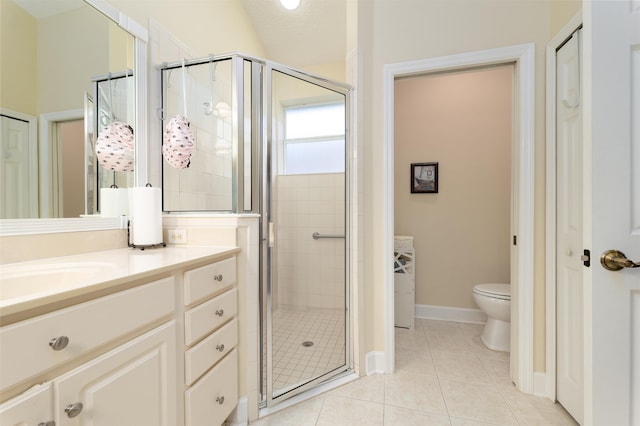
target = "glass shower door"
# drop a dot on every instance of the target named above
(307, 234)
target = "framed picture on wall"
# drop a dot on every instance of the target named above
(424, 178)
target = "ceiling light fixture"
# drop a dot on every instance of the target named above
(290, 4)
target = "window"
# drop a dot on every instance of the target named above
(314, 139)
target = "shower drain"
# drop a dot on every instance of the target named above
(307, 343)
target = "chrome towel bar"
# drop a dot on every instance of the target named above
(317, 236)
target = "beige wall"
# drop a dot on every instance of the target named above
(18, 67)
(462, 120)
(206, 27)
(561, 12)
(41, 71)
(409, 30)
(335, 71)
(62, 39)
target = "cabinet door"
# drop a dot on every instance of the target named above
(30, 408)
(133, 385)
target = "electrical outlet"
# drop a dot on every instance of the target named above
(177, 236)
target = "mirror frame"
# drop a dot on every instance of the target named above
(96, 223)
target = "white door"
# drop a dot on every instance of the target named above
(612, 210)
(133, 385)
(569, 244)
(17, 170)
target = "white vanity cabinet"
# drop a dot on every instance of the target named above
(33, 407)
(211, 336)
(133, 385)
(96, 362)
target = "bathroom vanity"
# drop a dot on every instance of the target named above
(120, 337)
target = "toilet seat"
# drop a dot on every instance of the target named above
(496, 291)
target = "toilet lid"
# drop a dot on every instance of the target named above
(499, 291)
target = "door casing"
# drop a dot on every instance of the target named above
(522, 256)
(549, 389)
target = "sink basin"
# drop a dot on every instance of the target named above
(18, 281)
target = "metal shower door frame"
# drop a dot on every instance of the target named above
(267, 237)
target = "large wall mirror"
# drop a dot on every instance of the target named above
(68, 71)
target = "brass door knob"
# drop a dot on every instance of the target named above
(614, 260)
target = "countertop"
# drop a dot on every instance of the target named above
(36, 287)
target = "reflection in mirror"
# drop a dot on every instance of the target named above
(51, 52)
(114, 103)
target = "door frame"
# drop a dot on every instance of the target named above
(283, 400)
(523, 56)
(49, 188)
(550, 306)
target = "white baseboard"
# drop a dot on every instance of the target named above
(446, 313)
(375, 363)
(239, 416)
(540, 384)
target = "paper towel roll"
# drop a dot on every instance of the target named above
(114, 202)
(145, 208)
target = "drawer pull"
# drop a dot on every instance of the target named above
(72, 410)
(49, 423)
(220, 400)
(220, 348)
(219, 312)
(218, 277)
(59, 343)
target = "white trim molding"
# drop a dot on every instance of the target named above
(375, 363)
(449, 313)
(523, 56)
(550, 305)
(540, 384)
(48, 185)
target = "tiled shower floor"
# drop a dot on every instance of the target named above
(293, 362)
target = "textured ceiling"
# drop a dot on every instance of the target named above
(313, 34)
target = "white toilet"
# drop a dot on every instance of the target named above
(495, 301)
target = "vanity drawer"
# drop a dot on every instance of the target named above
(33, 407)
(206, 353)
(213, 398)
(208, 280)
(26, 347)
(205, 318)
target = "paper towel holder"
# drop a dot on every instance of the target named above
(141, 246)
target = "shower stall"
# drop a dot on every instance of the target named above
(274, 141)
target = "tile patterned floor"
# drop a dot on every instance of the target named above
(294, 363)
(444, 376)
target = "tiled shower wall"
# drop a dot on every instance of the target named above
(311, 273)
(206, 185)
